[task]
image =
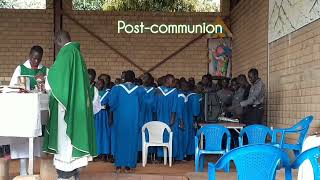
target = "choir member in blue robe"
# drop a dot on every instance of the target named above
(102, 122)
(112, 130)
(107, 80)
(166, 107)
(108, 84)
(125, 104)
(181, 118)
(193, 108)
(147, 113)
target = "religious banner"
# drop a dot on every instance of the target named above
(290, 15)
(220, 55)
(220, 51)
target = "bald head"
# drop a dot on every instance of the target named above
(61, 38)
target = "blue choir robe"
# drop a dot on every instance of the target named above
(193, 109)
(182, 132)
(102, 125)
(112, 129)
(166, 104)
(146, 114)
(125, 103)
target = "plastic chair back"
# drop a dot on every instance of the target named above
(257, 161)
(300, 128)
(156, 130)
(303, 128)
(257, 134)
(213, 135)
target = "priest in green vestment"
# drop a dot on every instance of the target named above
(31, 68)
(70, 132)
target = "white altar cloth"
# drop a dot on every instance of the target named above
(20, 114)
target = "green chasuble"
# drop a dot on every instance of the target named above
(31, 73)
(91, 91)
(69, 82)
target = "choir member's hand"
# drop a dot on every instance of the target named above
(172, 121)
(110, 120)
(172, 118)
(181, 125)
(107, 107)
(195, 125)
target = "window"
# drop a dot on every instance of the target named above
(148, 5)
(23, 4)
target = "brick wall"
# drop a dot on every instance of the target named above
(294, 77)
(19, 31)
(145, 49)
(249, 25)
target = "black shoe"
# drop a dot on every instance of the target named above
(99, 158)
(110, 159)
(118, 169)
(127, 170)
(139, 159)
(189, 158)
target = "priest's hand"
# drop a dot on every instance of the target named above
(40, 77)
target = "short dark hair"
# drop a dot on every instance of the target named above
(92, 72)
(205, 76)
(254, 71)
(138, 81)
(106, 75)
(37, 49)
(242, 76)
(148, 74)
(63, 35)
(234, 80)
(169, 76)
(129, 76)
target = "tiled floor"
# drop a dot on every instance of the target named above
(105, 171)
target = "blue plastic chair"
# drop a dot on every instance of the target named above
(253, 162)
(300, 128)
(257, 134)
(213, 135)
(312, 155)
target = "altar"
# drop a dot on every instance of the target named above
(20, 117)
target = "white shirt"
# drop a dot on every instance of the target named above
(96, 101)
(17, 72)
